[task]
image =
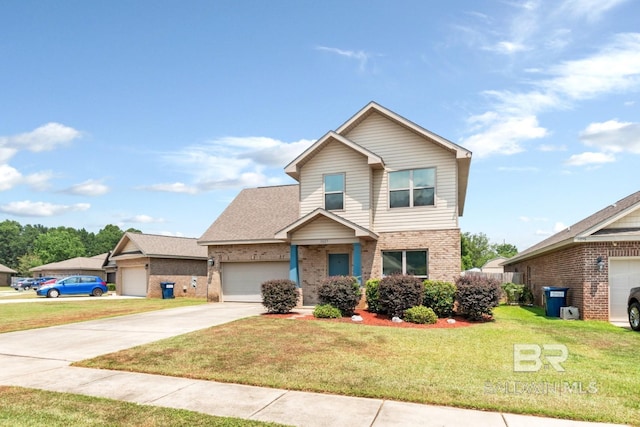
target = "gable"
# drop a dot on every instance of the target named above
(632, 220)
(322, 228)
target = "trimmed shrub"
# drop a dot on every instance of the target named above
(400, 292)
(440, 296)
(512, 292)
(477, 296)
(527, 296)
(326, 311)
(279, 296)
(420, 314)
(342, 292)
(111, 287)
(371, 292)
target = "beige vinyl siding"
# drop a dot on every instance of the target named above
(402, 149)
(323, 228)
(629, 221)
(130, 247)
(337, 158)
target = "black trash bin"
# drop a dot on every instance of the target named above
(554, 299)
(167, 290)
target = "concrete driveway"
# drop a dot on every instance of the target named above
(40, 358)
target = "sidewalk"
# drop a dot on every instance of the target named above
(37, 360)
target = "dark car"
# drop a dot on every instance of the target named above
(25, 284)
(633, 308)
(74, 285)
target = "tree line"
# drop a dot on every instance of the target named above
(26, 246)
(476, 250)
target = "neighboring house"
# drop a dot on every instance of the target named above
(494, 265)
(598, 259)
(143, 261)
(93, 266)
(5, 275)
(378, 196)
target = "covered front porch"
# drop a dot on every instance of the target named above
(323, 244)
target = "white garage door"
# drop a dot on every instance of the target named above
(241, 280)
(134, 281)
(624, 274)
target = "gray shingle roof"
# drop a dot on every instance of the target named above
(591, 225)
(79, 263)
(256, 214)
(153, 245)
(5, 269)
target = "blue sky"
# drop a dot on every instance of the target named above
(154, 114)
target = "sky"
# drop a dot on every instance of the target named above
(155, 114)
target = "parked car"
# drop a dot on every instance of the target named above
(25, 284)
(633, 308)
(40, 280)
(74, 285)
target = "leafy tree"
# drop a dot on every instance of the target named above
(506, 250)
(107, 239)
(58, 244)
(26, 262)
(10, 250)
(476, 250)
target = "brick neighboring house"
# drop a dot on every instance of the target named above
(598, 259)
(377, 196)
(93, 266)
(143, 261)
(5, 275)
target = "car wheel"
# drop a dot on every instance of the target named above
(53, 293)
(97, 292)
(26, 288)
(634, 316)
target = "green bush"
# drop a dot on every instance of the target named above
(513, 292)
(420, 314)
(477, 296)
(372, 295)
(111, 287)
(342, 292)
(326, 311)
(527, 296)
(440, 296)
(279, 296)
(400, 292)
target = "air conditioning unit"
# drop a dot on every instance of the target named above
(569, 313)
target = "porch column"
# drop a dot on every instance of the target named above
(293, 265)
(357, 262)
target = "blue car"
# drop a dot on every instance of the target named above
(74, 285)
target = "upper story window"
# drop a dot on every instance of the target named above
(414, 187)
(334, 192)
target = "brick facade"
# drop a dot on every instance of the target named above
(443, 247)
(575, 267)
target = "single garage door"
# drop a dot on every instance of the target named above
(241, 280)
(624, 274)
(134, 281)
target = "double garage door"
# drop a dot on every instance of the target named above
(624, 274)
(241, 280)
(134, 281)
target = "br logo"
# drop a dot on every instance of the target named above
(532, 357)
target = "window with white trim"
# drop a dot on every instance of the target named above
(413, 187)
(334, 192)
(413, 262)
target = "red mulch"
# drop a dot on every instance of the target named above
(374, 319)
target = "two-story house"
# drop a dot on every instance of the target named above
(379, 195)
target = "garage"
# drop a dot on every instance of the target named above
(624, 274)
(241, 280)
(134, 281)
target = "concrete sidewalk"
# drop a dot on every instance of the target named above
(40, 359)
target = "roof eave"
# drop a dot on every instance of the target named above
(541, 251)
(238, 242)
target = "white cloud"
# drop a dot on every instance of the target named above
(361, 56)
(558, 227)
(232, 162)
(144, 219)
(44, 138)
(9, 177)
(591, 10)
(590, 158)
(550, 148)
(507, 47)
(502, 134)
(39, 181)
(40, 209)
(90, 187)
(613, 136)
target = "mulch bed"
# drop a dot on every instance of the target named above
(374, 319)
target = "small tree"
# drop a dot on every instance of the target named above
(440, 296)
(372, 295)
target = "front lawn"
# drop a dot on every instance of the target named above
(30, 315)
(470, 367)
(33, 408)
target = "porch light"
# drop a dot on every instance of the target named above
(600, 263)
(211, 262)
(146, 266)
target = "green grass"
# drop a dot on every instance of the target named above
(471, 367)
(33, 408)
(30, 315)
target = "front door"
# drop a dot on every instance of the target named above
(339, 265)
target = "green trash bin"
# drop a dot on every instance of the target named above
(167, 290)
(554, 298)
